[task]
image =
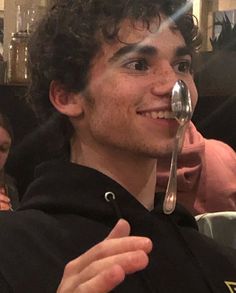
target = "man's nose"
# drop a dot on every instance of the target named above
(165, 78)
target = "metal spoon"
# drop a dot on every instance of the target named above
(181, 106)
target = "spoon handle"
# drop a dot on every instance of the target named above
(171, 191)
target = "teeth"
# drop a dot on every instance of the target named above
(158, 114)
(154, 115)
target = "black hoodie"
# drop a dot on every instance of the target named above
(64, 213)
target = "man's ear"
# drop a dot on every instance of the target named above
(67, 103)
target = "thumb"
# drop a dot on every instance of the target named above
(121, 229)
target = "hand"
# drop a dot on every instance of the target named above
(5, 203)
(104, 266)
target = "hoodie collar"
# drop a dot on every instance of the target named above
(64, 187)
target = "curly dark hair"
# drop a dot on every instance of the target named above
(65, 41)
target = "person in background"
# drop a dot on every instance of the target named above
(206, 174)
(8, 191)
(104, 71)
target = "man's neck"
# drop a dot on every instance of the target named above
(137, 175)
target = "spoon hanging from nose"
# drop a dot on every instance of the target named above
(181, 106)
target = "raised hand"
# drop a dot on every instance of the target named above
(105, 265)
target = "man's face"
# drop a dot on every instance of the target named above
(127, 100)
(5, 143)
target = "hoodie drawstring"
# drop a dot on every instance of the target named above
(110, 197)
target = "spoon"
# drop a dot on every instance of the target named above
(181, 106)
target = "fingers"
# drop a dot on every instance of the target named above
(4, 198)
(104, 282)
(130, 262)
(5, 203)
(5, 207)
(119, 254)
(111, 247)
(121, 229)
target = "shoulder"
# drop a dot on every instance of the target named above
(220, 148)
(211, 251)
(221, 157)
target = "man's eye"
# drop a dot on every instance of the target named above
(184, 67)
(140, 65)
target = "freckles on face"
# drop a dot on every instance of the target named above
(5, 143)
(130, 85)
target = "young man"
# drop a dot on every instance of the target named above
(109, 68)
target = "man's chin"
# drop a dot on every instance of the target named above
(166, 152)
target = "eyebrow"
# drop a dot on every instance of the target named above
(146, 50)
(182, 51)
(133, 48)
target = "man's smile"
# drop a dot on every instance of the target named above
(154, 114)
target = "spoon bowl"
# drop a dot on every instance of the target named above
(181, 103)
(181, 106)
